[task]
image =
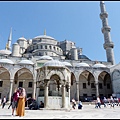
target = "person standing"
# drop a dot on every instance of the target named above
(20, 111)
(3, 102)
(73, 103)
(15, 100)
(111, 102)
(98, 102)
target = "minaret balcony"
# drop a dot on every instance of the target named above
(108, 45)
(106, 28)
(103, 15)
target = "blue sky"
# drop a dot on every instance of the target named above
(75, 21)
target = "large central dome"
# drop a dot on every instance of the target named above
(44, 39)
(43, 36)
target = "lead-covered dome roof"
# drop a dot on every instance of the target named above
(26, 62)
(43, 36)
(5, 52)
(22, 38)
(54, 63)
(67, 63)
(6, 61)
(46, 57)
(83, 57)
(82, 65)
(98, 65)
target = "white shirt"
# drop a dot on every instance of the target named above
(4, 100)
(98, 100)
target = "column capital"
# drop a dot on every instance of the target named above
(11, 81)
(77, 82)
(63, 82)
(46, 82)
(96, 82)
(34, 82)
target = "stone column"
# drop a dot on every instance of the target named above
(37, 90)
(63, 96)
(10, 93)
(77, 88)
(97, 88)
(46, 95)
(34, 90)
(69, 96)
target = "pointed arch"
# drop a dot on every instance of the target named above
(104, 84)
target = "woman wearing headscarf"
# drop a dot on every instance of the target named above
(21, 103)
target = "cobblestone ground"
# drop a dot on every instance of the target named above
(89, 111)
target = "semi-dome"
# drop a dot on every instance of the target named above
(26, 62)
(82, 65)
(54, 63)
(66, 63)
(98, 65)
(5, 52)
(6, 61)
(22, 38)
(43, 36)
(46, 57)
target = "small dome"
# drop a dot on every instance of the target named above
(22, 38)
(6, 52)
(66, 63)
(6, 61)
(45, 57)
(16, 43)
(83, 57)
(98, 65)
(82, 65)
(54, 63)
(44, 36)
(26, 62)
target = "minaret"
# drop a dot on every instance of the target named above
(8, 45)
(108, 45)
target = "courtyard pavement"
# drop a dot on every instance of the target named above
(87, 112)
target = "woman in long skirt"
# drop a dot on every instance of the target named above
(21, 104)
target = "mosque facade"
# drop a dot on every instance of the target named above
(55, 72)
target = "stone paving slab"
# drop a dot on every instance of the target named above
(88, 112)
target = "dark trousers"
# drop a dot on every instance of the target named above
(3, 105)
(99, 105)
(9, 105)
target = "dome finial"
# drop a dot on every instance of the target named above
(45, 32)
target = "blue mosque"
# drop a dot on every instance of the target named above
(55, 72)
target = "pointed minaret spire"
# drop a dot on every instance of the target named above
(45, 32)
(108, 45)
(8, 45)
(102, 6)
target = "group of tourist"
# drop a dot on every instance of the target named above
(18, 100)
(74, 104)
(112, 101)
